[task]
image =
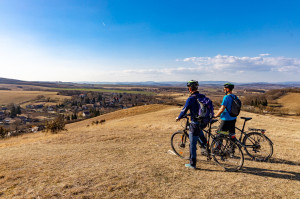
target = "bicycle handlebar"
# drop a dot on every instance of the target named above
(211, 121)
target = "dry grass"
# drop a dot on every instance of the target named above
(126, 157)
(18, 97)
(16, 87)
(290, 102)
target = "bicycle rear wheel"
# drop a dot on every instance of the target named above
(181, 144)
(227, 153)
(258, 146)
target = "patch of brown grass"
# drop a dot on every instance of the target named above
(18, 97)
(290, 102)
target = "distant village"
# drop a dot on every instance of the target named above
(32, 116)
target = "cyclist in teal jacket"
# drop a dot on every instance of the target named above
(227, 121)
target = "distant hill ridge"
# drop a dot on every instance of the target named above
(146, 83)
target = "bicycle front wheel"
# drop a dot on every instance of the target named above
(181, 144)
(258, 146)
(227, 153)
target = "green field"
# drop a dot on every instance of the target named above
(105, 90)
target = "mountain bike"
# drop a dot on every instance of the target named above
(256, 144)
(222, 148)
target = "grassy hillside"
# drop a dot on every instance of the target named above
(291, 102)
(18, 97)
(127, 157)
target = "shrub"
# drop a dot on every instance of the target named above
(3, 132)
(56, 125)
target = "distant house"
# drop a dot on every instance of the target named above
(61, 110)
(8, 121)
(38, 106)
(84, 107)
(23, 118)
(97, 104)
(35, 129)
(86, 114)
(89, 106)
(2, 115)
(29, 106)
(82, 95)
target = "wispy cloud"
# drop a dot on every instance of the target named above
(263, 62)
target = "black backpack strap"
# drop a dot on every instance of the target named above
(232, 102)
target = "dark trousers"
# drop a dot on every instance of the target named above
(194, 134)
(227, 125)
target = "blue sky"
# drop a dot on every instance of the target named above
(149, 40)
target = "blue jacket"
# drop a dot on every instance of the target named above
(192, 105)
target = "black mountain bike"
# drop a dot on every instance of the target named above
(256, 144)
(222, 148)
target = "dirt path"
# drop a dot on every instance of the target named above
(127, 157)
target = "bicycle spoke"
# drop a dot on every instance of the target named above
(227, 153)
(180, 144)
(258, 146)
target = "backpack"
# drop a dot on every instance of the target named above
(206, 111)
(235, 106)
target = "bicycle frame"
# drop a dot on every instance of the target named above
(219, 147)
(242, 131)
(208, 133)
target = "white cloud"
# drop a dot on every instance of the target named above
(263, 63)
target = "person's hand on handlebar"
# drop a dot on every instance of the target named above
(177, 119)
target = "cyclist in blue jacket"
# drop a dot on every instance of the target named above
(227, 121)
(195, 128)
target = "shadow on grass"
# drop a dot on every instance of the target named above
(277, 161)
(290, 175)
(282, 174)
(282, 161)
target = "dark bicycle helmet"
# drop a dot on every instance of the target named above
(229, 85)
(192, 83)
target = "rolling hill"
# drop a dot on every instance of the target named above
(127, 157)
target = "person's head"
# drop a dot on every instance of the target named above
(228, 87)
(192, 85)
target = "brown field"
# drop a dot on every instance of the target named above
(18, 97)
(127, 157)
(16, 87)
(291, 102)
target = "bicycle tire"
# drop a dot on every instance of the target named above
(258, 146)
(180, 144)
(227, 153)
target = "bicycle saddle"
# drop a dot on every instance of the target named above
(246, 118)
